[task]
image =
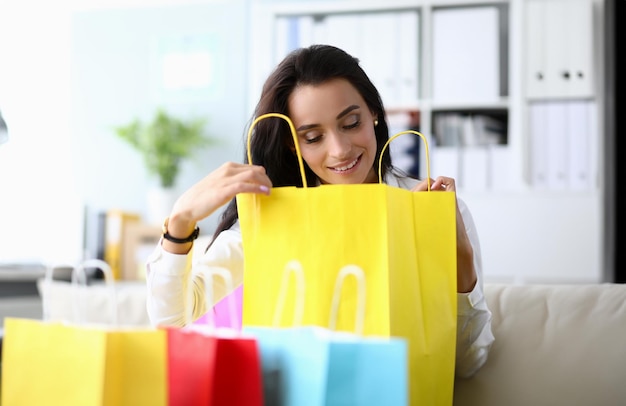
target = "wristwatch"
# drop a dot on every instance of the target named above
(168, 237)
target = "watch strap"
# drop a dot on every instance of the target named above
(194, 234)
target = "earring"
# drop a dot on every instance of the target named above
(375, 122)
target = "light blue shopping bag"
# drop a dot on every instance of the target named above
(316, 366)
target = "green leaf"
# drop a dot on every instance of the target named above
(165, 142)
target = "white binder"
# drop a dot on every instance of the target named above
(466, 54)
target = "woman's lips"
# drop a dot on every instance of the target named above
(349, 168)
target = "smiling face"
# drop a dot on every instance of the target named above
(335, 132)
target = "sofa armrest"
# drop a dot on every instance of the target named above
(554, 345)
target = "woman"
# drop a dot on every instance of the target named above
(341, 128)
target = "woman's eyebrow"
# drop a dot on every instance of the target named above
(340, 115)
(306, 127)
(347, 110)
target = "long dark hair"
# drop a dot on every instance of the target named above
(271, 144)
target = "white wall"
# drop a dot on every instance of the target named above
(40, 211)
(71, 71)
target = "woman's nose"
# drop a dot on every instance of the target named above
(339, 145)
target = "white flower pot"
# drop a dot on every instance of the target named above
(159, 204)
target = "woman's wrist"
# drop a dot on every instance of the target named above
(178, 234)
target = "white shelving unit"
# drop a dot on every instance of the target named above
(529, 233)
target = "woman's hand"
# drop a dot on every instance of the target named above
(441, 183)
(465, 272)
(209, 194)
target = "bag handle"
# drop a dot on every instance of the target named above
(294, 267)
(208, 272)
(293, 134)
(380, 159)
(299, 153)
(358, 273)
(80, 271)
(45, 293)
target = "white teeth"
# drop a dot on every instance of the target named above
(349, 166)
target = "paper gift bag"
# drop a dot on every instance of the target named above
(404, 241)
(213, 366)
(315, 366)
(65, 363)
(220, 315)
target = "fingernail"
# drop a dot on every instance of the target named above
(264, 189)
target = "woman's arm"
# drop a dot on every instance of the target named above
(175, 292)
(176, 286)
(208, 195)
(474, 336)
(167, 276)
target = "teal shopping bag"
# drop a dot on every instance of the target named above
(316, 366)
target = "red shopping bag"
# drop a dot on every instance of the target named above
(213, 366)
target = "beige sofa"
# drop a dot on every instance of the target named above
(554, 345)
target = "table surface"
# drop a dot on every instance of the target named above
(21, 271)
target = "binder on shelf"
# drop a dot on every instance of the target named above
(498, 170)
(116, 239)
(538, 149)
(562, 135)
(474, 168)
(407, 60)
(307, 31)
(381, 60)
(286, 36)
(448, 129)
(489, 130)
(556, 143)
(388, 53)
(445, 161)
(466, 53)
(581, 131)
(559, 48)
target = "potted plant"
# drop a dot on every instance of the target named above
(164, 143)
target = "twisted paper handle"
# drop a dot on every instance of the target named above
(293, 134)
(357, 272)
(380, 159)
(294, 267)
(208, 273)
(80, 272)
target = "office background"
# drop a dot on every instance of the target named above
(71, 72)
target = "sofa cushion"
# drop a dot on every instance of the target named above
(554, 345)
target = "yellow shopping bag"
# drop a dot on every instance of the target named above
(404, 241)
(61, 363)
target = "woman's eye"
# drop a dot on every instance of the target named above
(313, 138)
(350, 126)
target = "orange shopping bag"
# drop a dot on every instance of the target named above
(75, 363)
